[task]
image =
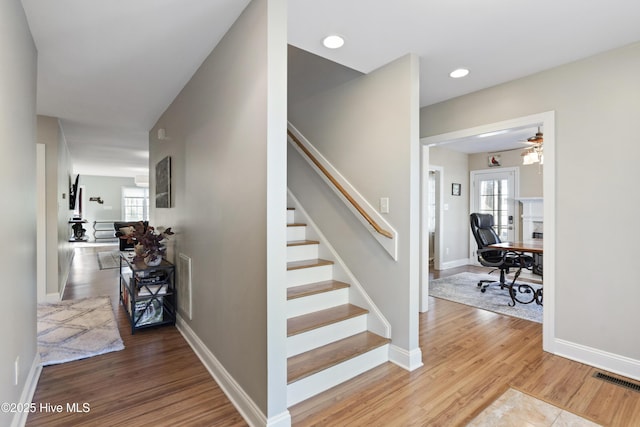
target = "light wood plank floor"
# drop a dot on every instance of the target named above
(470, 358)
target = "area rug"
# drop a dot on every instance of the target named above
(462, 288)
(76, 329)
(107, 260)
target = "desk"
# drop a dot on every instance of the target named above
(519, 249)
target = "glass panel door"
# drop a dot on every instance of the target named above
(494, 192)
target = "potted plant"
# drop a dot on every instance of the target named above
(148, 244)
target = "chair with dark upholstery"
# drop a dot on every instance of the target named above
(485, 235)
(124, 246)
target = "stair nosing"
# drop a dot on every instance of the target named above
(380, 341)
(308, 263)
(353, 312)
(293, 243)
(331, 285)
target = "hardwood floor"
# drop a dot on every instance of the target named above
(156, 380)
(470, 358)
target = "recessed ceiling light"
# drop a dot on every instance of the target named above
(333, 42)
(460, 72)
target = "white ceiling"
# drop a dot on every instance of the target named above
(108, 69)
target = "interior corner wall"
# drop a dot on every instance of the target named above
(219, 140)
(364, 128)
(58, 171)
(597, 105)
(18, 188)
(455, 222)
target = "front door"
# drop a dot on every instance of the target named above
(495, 192)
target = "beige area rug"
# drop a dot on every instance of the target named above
(107, 260)
(516, 409)
(76, 329)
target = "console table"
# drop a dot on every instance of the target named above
(147, 293)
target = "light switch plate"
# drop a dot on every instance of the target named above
(384, 205)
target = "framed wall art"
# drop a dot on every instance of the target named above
(456, 189)
(163, 183)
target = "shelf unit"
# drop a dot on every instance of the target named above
(104, 230)
(147, 293)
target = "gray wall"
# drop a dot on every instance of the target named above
(531, 176)
(18, 189)
(364, 128)
(58, 171)
(227, 142)
(455, 220)
(597, 105)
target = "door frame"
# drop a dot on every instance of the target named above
(547, 120)
(472, 199)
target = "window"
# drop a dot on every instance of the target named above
(135, 203)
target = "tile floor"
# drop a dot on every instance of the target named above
(514, 408)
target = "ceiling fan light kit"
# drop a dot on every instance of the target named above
(534, 154)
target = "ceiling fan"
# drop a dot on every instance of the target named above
(534, 154)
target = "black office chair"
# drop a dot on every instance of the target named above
(485, 235)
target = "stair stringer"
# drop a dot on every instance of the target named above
(376, 322)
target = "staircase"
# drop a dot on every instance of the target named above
(327, 337)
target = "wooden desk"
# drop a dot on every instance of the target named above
(521, 248)
(533, 246)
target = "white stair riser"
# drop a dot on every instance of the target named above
(317, 383)
(291, 216)
(297, 233)
(316, 302)
(302, 252)
(301, 343)
(304, 276)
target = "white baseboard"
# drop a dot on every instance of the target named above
(53, 297)
(455, 263)
(409, 360)
(20, 418)
(242, 402)
(610, 362)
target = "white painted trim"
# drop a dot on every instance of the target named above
(407, 360)
(455, 263)
(240, 400)
(41, 223)
(610, 362)
(390, 245)
(376, 322)
(29, 389)
(549, 181)
(53, 297)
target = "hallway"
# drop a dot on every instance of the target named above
(156, 380)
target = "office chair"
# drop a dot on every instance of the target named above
(485, 235)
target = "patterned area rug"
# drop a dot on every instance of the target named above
(463, 288)
(108, 260)
(76, 329)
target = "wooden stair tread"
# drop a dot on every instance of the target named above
(308, 263)
(316, 360)
(291, 209)
(302, 242)
(315, 288)
(296, 224)
(317, 319)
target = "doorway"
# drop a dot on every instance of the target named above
(547, 120)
